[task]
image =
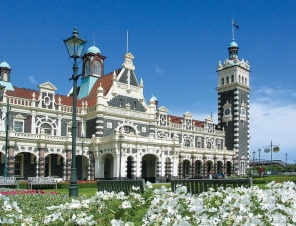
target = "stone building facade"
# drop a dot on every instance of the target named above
(119, 132)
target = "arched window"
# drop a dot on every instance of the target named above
(239, 79)
(46, 127)
(187, 143)
(227, 80)
(246, 81)
(128, 129)
(209, 145)
(222, 81)
(232, 78)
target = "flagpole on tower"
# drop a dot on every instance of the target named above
(232, 30)
(127, 41)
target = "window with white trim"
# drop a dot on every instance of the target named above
(47, 128)
(18, 126)
(187, 143)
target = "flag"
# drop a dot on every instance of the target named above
(235, 25)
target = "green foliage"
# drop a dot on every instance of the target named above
(276, 178)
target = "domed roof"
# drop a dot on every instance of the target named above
(153, 98)
(233, 44)
(5, 65)
(93, 49)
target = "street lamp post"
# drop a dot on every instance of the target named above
(254, 158)
(82, 151)
(5, 171)
(75, 46)
(286, 161)
(253, 162)
(272, 148)
(120, 154)
(259, 150)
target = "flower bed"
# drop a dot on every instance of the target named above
(274, 205)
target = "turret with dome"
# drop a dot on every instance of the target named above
(5, 71)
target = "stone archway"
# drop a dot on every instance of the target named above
(54, 165)
(149, 168)
(219, 167)
(108, 166)
(228, 168)
(209, 166)
(186, 168)
(198, 168)
(129, 168)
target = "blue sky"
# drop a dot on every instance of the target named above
(177, 46)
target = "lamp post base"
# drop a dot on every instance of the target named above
(73, 191)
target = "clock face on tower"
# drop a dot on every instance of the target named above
(227, 111)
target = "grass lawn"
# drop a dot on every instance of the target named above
(92, 191)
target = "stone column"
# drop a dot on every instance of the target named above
(180, 166)
(193, 165)
(10, 162)
(215, 165)
(41, 162)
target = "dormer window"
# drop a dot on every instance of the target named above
(96, 68)
(87, 70)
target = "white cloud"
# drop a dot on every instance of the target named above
(32, 79)
(273, 118)
(158, 70)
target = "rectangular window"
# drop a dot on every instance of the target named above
(69, 129)
(198, 144)
(18, 126)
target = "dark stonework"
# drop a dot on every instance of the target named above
(50, 95)
(109, 131)
(229, 129)
(243, 127)
(100, 124)
(121, 101)
(64, 123)
(91, 127)
(133, 80)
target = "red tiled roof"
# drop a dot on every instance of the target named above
(177, 120)
(23, 93)
(105, 81)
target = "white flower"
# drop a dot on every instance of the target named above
(135, 188)
(126, 204)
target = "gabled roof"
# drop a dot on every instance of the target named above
(106, 83)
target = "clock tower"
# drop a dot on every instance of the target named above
(233, 104)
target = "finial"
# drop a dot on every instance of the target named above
(75, 32)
